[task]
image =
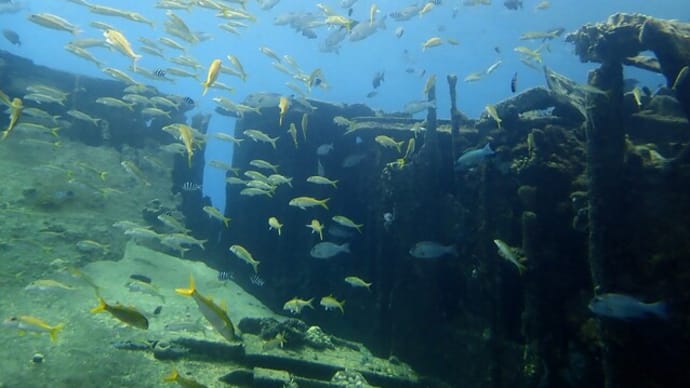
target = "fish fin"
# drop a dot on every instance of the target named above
(487, 148)
(187, 291)
(172, 376)
(346, 247)
(660, 309)
(55, 330)
(102, 306)
(324, 203)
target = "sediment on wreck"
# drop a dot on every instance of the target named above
(616, 205)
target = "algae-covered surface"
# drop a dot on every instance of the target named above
(58, 201)
(88, 353)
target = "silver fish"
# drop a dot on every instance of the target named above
(326, 250)
(432, 250)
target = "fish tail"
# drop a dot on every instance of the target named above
(660, 309)
(340, 306)
(55, 330)
(255, 265)
(102, 306)
(324, 203)
(173, 376)
(187, 291)
(226, 221)
(273, 141)
(309, 303)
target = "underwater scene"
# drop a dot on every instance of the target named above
(345, 193)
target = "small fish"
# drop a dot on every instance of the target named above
(493, 113)
(262, 164)
(473, 157)
(513, 4)
(256, 280)
(224, 275)
(326, 250)
(316, 227)
(295, 305)
(355, 281)
(216, 315)
(273, 223)
(513, 82)
(680, 78)
(388, 142)
(54, 22)
(11, 36)
(144, 288)
(432, 250)
(399, 32)
(322, 180)
(324, 149)
(117, 39)
(625, 307)
(28, 323)
(353, 160)
(259, 136)
(348, 223)
(135, 172)
(293, 133)
(331, 303)
(159, 73)
(47, 285)
(432, 42)
(92, 246)
(305, 202)
(176, 377)
(191, 186)
(213, 70)
(493, 67)
(378, 79)
(215, 213)
(243, 254)
(506, 252)
(283, 106)
(413, 107)
(128, 315)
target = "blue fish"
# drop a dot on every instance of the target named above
(473, 157)
(625, 307)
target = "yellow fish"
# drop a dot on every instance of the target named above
(16, 107)
(213, 71)
(273, 223)
(28, 323)
(355, 281)
(331, 303)
(243, 254)
(283, 105)
(116, 39)
(372, 13)
(187, 136)
(491, 110)
(216, 315)
(175, 376)
(431, 42)
(316, 227)
(128, 315)
(388, 142)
